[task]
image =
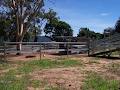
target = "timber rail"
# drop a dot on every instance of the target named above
(105, 46)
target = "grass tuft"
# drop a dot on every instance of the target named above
(10, 82)
(97, 82)
(35, 83)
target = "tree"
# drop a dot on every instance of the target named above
(24, 12)
(109, 31)
(5, 24)
(58, 28)
(83, 32)
(87, 33)
(117, 26)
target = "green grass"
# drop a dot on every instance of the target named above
(4, 65)
(47, 64)
(97, 82)
(35, 83)
(18, 78)
(10, 82)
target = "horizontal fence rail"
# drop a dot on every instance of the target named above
(105, 45)
(38, 43)
(44, 47)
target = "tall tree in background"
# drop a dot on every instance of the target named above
(87, 33)
(109, 31)
(51, 20)
(58, 28)
(117, 26)
(5, 24)
(24, 12)
(84, 32)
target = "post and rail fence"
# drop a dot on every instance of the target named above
(96, 47)
(41, 47)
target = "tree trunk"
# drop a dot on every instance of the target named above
(19, 48)
(20, 39)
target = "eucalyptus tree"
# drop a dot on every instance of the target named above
(25, 13)
(58, 28)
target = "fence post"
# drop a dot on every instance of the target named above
(4, 51)
(88, 45)
(40, 51)
(67, 49)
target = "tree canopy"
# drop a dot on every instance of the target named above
(87, 33)
(58, 28)
(117, 26)
(25, 13)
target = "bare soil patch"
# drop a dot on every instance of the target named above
(67, 78)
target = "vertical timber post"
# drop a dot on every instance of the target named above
(67, 50)
(88, 45)
(4, 51)
(40, 51)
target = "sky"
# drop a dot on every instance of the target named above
(93, 14)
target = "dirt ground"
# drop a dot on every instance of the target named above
(70, 78)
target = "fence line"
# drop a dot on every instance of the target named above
(106, 45)
(45, 43)
(39, 47)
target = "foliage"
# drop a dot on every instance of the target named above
(5, 24)
(58, 28)
(109, 31)
(25, 13)
(86, 32)
(117, 26)
(29, 22)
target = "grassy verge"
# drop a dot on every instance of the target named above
(97, 82)
(47, 64)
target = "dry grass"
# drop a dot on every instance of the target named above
(60, 73)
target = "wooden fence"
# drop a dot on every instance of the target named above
(106, 45)
(39, 47)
